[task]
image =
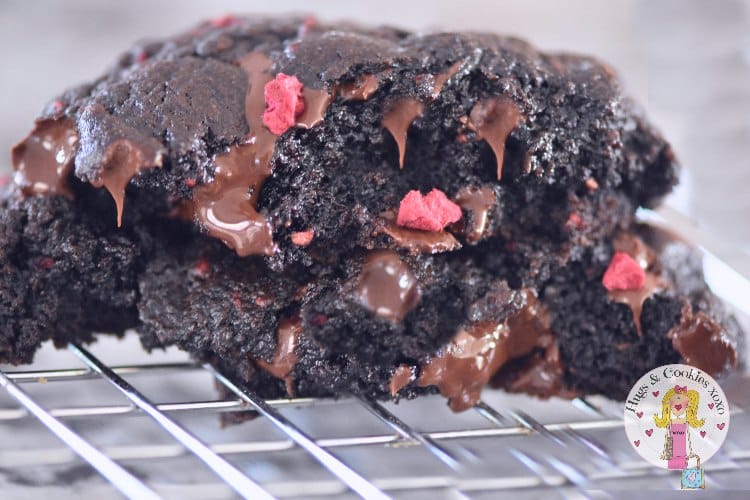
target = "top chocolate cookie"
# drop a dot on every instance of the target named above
(297, 141)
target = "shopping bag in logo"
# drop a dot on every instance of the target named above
(693, 478)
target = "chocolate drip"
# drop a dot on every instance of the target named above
(439, 80)
(493, 120)
(416, 241)
(43, 161)
(387, 286)
(228, 206)
(401, 377)
(361, 90)
(285, 356)
(462, 368)
(702, 342)
(123, 160)
(634, 246)
(478, 201)
(398, 117)
(645, 257)
(635, 299)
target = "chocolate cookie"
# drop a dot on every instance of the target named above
(320, 210)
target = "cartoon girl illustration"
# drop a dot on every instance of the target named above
(679, 412)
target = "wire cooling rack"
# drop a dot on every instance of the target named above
(78, 424)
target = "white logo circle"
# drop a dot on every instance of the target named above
(675, 416)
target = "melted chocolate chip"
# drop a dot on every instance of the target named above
(123, 160)
(361, 90)
(398, 117)
(416, 241)
(439, 80)
(316, 105)
(635, 299)
(703, 343)
(43, 161)
(226, 206)
(462, 368)
(285, 356)
(645, 257)
(478, 201)
(401, 377)
(387, 286)
(493, 120)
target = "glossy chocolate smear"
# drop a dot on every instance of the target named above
(462, 368)
(387, 286)
(416, 241)
(285, 356)
(478, 201)
(398, 117)
(703, 343)
(402, 375)
(540, 374)
(226, 206)
(43, 161)
(493, 120)
(646, 258)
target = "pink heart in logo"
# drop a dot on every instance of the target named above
(656, 394)
(639, 413)
(637, 443)
(703, 434)
(678, 407)
(710, 406)
(721, 426)
(649, 432)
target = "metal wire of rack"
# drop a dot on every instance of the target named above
(307, 447)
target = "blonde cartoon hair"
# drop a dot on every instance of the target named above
(691, 412)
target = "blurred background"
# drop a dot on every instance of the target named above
(686, 61)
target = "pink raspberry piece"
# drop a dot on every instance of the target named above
(623, 273)
(223, 21)
(429, 213)
(284, 103)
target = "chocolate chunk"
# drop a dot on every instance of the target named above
(43, 161)
(387, 286)
(703, 343)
